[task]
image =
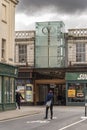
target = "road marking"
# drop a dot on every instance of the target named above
(52, 118)
(42, 121)
(84, 117)
(71, 124)
(39, 121)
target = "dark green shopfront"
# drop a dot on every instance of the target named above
(8, 73)
(76, 89)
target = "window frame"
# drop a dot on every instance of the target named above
(22, 53)
(80, 52)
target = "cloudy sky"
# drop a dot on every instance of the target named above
(72, 12)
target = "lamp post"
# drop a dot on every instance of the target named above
(86, 103)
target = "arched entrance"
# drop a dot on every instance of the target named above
(41, 89)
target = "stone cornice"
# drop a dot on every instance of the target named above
(15, 1)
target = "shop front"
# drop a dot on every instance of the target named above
(76, 88)
(8, 74)
(43, 86)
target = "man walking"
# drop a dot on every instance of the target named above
(49, 104)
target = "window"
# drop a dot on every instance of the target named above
(3, 48)
(6, 90)
(12, 90)
(22, 53)
(4, 13)
(76, 92)
(0, 89)
(80, 52)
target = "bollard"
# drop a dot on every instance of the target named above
(85, 109)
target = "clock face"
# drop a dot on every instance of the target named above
(47, 30)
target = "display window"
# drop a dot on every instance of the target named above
(6, 90)
(76, 92)
(0, 89)
(12, 90)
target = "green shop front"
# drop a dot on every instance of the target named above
(76, 88)
(8, 73)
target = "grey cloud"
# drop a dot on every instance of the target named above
(62, 6)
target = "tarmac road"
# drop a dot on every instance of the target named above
(65, 118)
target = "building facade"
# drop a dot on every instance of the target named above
(8, 71)
(77, 46)
(50, 60)
(76, 76)
(24, 59)
(24, 48)
(59, 62)
(7, 25)
(70, 83)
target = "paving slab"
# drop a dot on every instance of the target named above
(24, 111)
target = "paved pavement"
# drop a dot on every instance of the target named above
(30, 110)
(24, 111)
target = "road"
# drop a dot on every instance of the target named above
(65, 118)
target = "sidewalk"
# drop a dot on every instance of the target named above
(31, 110)
(24, 111)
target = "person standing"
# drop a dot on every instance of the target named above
(18, 99)
(49, 98)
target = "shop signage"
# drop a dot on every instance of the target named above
(76, 76)
(82, 77)
(71, 93)
(9, 70)
(29, 92)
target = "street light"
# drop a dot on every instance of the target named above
(86, 103)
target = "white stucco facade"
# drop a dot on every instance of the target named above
(77, 36)
(24, 48)
(7, 28)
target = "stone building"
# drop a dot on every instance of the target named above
(58, 62)
(24, 59)
(24, 48)
(69, 80)
(7, 27)
(8, 72)
(77, 46)
(76, 74)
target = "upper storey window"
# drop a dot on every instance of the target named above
(80, 52)
(3, 51)
(22, 53)
(4, 13)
